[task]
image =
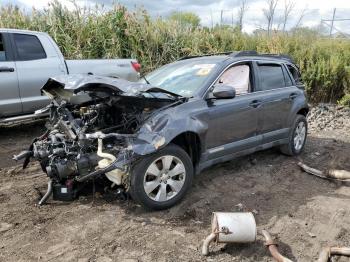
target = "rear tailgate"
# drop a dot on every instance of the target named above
(122, 68)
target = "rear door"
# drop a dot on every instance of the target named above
(276, 92)
(10, 101)
(35, 66)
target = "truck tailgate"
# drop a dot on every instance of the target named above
(121, 68)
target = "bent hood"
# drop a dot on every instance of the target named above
(65, 86)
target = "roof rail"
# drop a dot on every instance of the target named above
(284, 57)
(211, 54)
(243, 53)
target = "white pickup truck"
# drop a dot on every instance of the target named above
(28, 59)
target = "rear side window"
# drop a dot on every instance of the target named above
(296, 74)
(2, 49)
(271, 77)
(28, 47)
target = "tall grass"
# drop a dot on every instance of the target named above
(101, 33)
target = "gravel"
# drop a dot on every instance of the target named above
(328, 117)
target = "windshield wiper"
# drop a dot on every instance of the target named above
(161, 90)
(144, 77)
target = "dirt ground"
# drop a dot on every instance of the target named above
(303, 212)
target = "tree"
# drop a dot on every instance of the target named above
(241, 12)
(269, 13)
(301, 16)
(288, 8)
(187, 19)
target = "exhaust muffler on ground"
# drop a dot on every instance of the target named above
(228, 227)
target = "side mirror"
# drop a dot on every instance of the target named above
(224, 91)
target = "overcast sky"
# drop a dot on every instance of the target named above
(209, 11)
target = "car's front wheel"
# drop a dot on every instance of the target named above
(160, 180)
(297, 137)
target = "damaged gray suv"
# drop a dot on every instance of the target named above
(148, 139)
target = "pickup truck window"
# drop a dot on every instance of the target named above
(28, 47)
(271, 77)
(2, 50)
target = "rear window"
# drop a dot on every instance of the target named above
(271, 77)
(296, 74)
(2, 50)
(28, 47)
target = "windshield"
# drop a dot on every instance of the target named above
(184, 77)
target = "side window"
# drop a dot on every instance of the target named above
(28, 47)
(238, 77)
(287, 77)
(296, 74)
(2, 49)
(271, 77)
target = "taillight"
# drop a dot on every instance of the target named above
(136, 66)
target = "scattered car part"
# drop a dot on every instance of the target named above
(330, 174)
(231, 227)
(47, 194)
(327, 252)
(108, 159)
(272, 246)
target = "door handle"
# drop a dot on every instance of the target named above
(293, 95)
(255, 103)
(7, 69)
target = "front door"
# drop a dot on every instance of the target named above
(10, 101)
(233, 122)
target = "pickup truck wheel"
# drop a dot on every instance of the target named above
(161, 180)
(297, 137)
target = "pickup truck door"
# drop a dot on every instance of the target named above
(10, 101)
(36, 62)
(233, 123)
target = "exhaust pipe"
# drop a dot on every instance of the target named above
(47, 195)
(23, 154)
(206, 243)
(272, 246)
(230, 228)
(331, 174)
(327, 252)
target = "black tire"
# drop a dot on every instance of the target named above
(138, 174)
(289, 149)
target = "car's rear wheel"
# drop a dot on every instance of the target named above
(161, 180)
(297, 137)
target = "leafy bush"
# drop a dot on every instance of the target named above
(116, 32)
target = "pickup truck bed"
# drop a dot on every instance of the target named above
(28, 59)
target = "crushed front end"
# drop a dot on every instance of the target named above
(95, 131)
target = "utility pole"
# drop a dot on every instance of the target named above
(222, 13)
(232, 20)
(330, 32)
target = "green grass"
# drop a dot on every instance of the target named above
(116, 32)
